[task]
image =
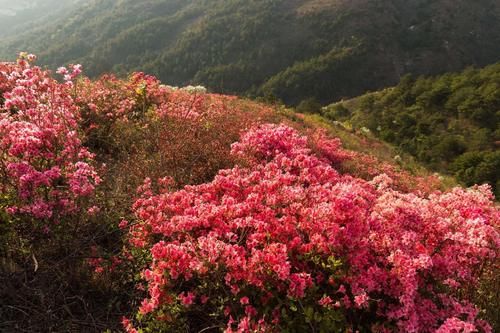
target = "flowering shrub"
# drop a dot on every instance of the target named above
(48, 200)
(44, 168)
(110, 98)
(289, 244)
(197, 130)
(368, 167)
(156, 130)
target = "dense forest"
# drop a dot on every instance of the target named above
(450, 122)
(290, 50)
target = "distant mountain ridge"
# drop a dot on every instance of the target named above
(286, 49)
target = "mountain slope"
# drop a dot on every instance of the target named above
(327, 49)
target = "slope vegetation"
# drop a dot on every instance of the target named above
(451, 123)
(128, 204)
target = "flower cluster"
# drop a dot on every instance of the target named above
(188, 128)
(287, 240)
(44, 167)
(110, 99)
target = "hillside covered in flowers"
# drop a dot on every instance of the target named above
(129, 205)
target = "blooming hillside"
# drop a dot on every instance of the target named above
(160, 209)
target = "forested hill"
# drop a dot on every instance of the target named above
(290, 49)
(451, 123)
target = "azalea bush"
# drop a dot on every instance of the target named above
(287, 244)
(45, 170)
